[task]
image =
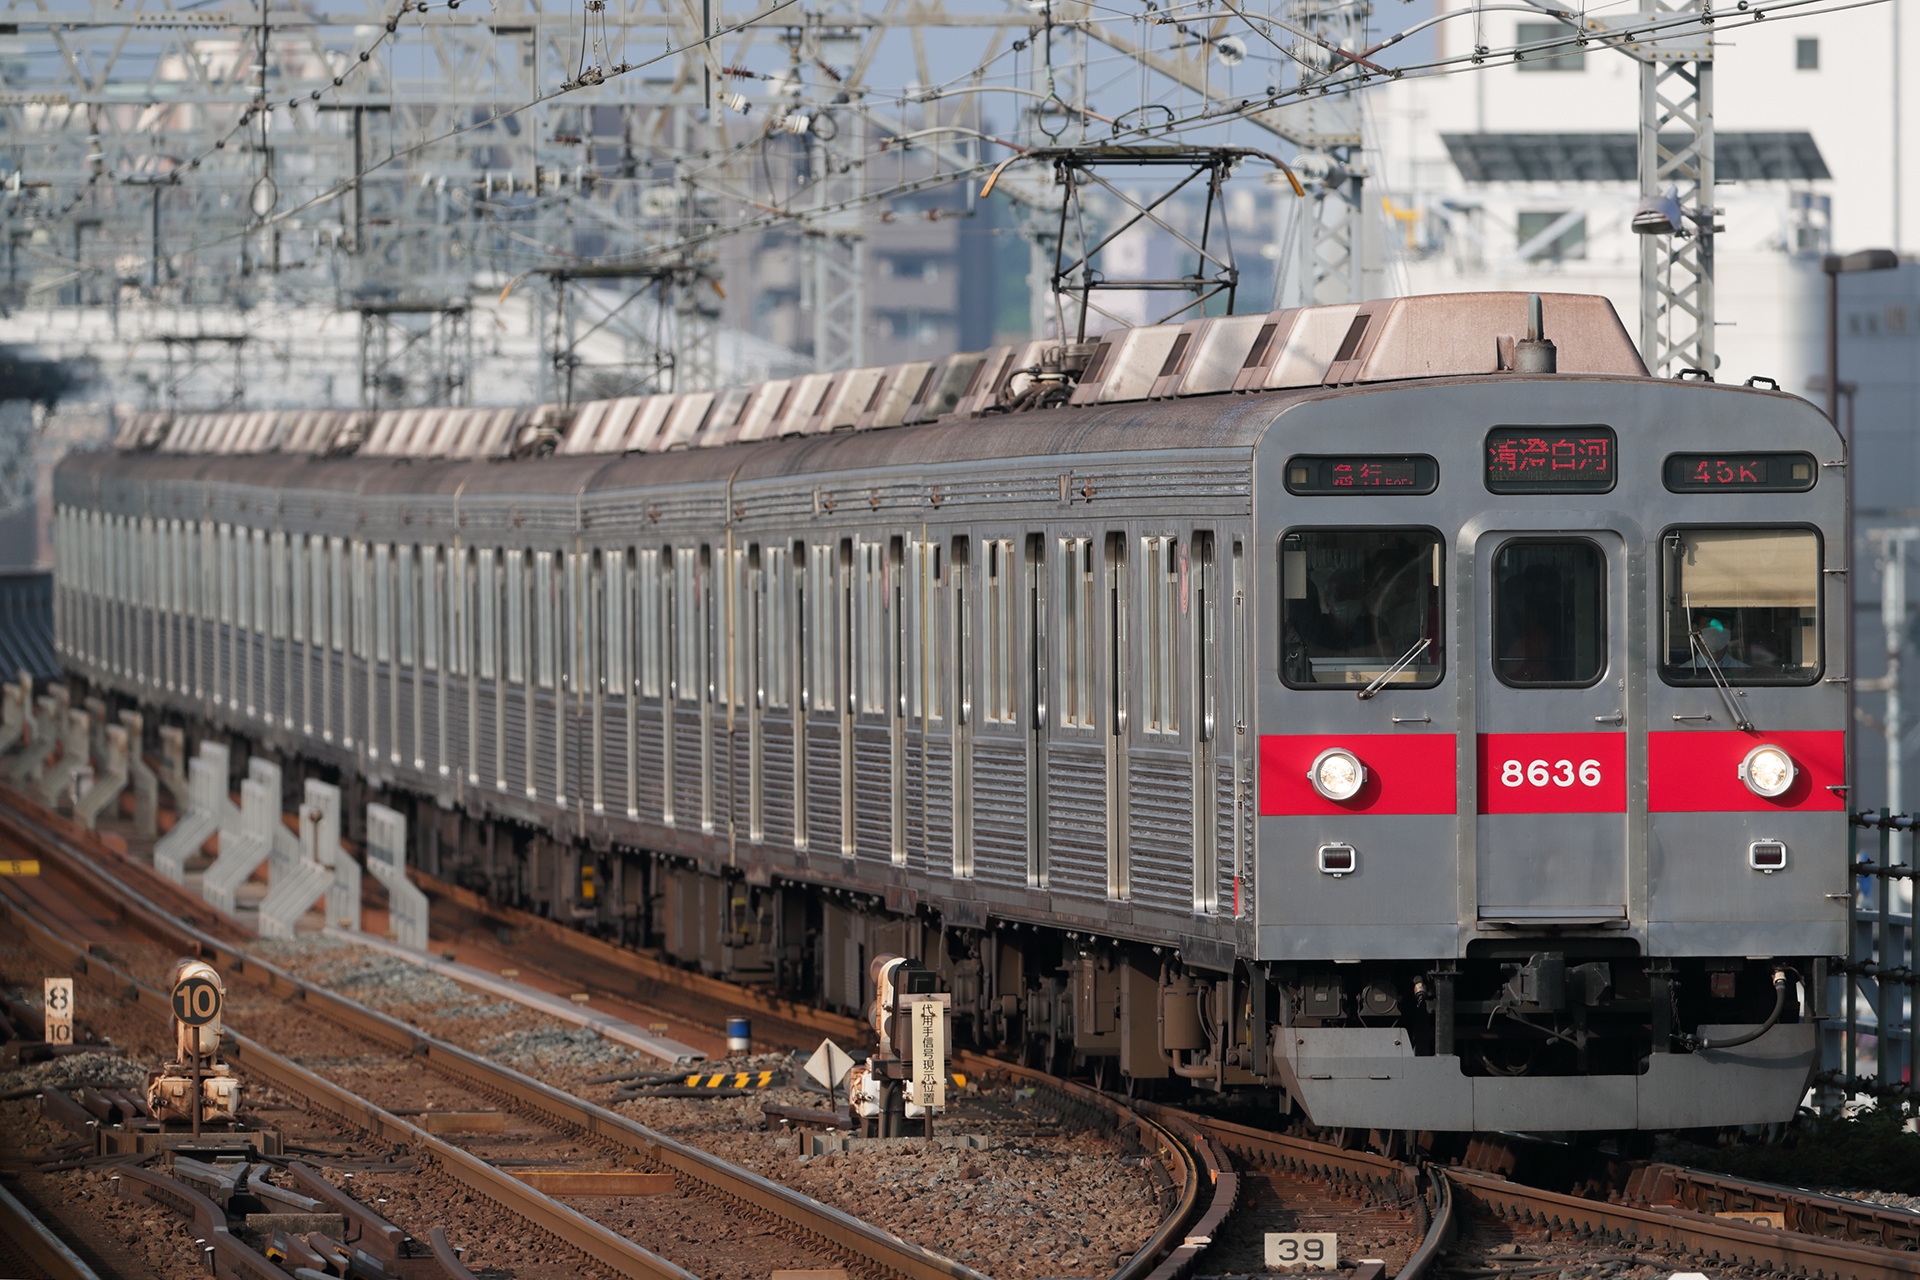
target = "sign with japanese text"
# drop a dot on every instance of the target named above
(929, 1053)
(1551, 459)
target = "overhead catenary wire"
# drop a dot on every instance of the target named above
(1354, 77)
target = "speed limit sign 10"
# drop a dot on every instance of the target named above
(196, 1000)
(58, 1013)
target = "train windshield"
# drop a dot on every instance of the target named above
(1742, 606)
(1361, 606)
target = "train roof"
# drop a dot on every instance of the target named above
(1296, 350)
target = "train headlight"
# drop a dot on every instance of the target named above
(1337, 774)
(1768, 771)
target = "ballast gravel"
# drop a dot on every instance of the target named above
(1040, 1200)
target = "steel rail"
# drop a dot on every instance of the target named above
(570, 1227)
(232, 1258)
(1808, 1212)
(880, 1250)
(1171, 1240)
(1726, 1241)
(1384, 1178)
(1808, 1244)
(31, 1238)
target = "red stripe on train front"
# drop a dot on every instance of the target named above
(1406, 773)
(1698, 771)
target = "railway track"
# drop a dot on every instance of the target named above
(1228, 1183)
(1663, 1209)
(806, 1223)
(29, 1251)
(819, 1226)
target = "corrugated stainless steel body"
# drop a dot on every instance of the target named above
(1025, 668)
(876, 801)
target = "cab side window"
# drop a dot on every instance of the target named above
(1359, 606)
(1741, 606)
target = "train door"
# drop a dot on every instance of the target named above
(871, 714)
(383, 716)
(754, 688)
(650, 705)
(1119, 672)
(924, 754)
(845, 589)
(735, 729)
(825, 802)
(899, 639)
(790, 638)
(1551, 746)
(998, 772)
(782, 782)
(1075, 804)
(960, 640)
(1035, 670)
(691, 727)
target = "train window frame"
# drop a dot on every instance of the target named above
(362, 617)
(615, 574)
(340, 603)
(1440, 588)
(299, 593)
(406, 598)
(1606, 613)
(514, 594)
(649, 623)
(867, 596)
(1163, 582)
(277, 595)
(775, 626)
(1687, 456)
(1732, 676)
(427, 558)
(486, 613)
(546, 607)
(1000, 638)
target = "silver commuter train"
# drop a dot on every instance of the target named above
(1438, 725)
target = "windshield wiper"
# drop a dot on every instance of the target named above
(1396, 668)
(1699, 646)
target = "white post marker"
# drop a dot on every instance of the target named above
(1289, 1249)
(829, 1065)
(58, 1013)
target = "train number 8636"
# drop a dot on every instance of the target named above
(1560, 773)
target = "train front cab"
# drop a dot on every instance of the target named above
(1551, 751)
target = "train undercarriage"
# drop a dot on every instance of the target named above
(1358, 1045)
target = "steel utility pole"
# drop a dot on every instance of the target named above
(1676, 160)
(1330, 223)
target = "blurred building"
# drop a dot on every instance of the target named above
(1522, 176)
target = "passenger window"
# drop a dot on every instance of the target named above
(1079, 633)
(1001, 630)
(1549, 613)
(1360, 606)
(1741, 605)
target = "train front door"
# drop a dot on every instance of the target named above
(1553, 626)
